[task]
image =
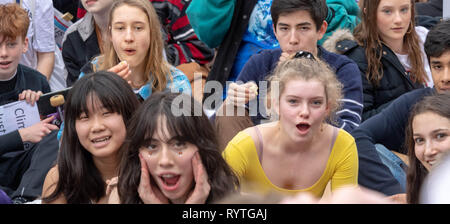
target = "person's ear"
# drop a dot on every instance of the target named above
(274, 31)
(323, 29)
(275, 108)
(25, 46)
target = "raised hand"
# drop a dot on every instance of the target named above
(240, 94)
(36, 132)
(122, 69)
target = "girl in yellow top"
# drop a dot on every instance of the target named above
(300, 152)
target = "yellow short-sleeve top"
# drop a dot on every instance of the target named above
(341, 168)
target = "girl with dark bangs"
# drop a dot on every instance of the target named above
(96, 112)
(171, 155)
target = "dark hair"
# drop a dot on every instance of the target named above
(193, 128)
(317, 9)
(439, 104)
(367, 35)
(79, 179)
(438, 39)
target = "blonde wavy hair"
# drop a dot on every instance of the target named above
(309, 69)
(156, 66)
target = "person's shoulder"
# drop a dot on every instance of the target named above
(267, 55)
(81, 28)
(345, 137)
(31, 75)
(336, 60)
(243, 137)
(51, 179)
(415, 95)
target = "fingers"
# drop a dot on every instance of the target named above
(122, 69)
(30, 96)
(202, 187)
(48, 119)
(145, 179)
(240, 94)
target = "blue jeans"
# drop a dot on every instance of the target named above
(394, 163)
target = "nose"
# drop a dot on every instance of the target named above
(97, 124)
(293, 39)
(446, 75)
(304, 110)
(397, 17)
(165, 157)
(430, 150)
(3, 52)
(129, 36)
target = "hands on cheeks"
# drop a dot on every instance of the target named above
(202, 187)
(150, 193)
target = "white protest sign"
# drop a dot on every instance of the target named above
(17, 115)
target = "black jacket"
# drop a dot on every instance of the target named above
(230, 45)
(431, 8)
(394, 83)
(80, 45)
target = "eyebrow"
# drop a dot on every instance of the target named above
(299, 24)
(436, 62)
(178, 138)
(433, 132)
(133, 22)
(314, 97)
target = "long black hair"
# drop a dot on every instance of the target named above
(185, 120)
(79, 179)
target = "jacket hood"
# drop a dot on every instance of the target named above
(334, 43)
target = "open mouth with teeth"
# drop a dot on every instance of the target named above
(99, 140)
(170, 181)
(303, 127)
(5, 63)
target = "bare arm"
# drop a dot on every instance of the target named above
(45, 63)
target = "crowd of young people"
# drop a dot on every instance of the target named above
(325, 95)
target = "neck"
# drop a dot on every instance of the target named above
(288, 145)
(9, 77)
(316, 52)
(102, 22)
(136, 76)
(108, 167)
(396, 46)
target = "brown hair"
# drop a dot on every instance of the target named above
(368, 36)
(440, 105)
(14, 21)
(156, 67)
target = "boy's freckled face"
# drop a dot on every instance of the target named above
(11, 51)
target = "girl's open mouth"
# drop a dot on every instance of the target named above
(303, 128)
(170, 181)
